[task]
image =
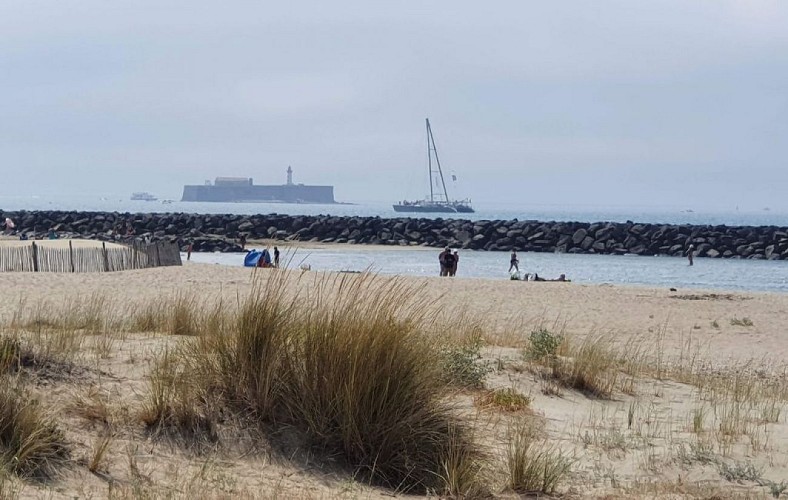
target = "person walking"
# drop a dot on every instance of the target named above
(514, 262)
(189, 251)
(276, 257)
(690, 252)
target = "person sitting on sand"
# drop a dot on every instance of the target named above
(514, 262)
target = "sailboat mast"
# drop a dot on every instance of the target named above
(429, 160)
(430, 138)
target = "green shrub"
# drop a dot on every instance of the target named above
(462, 365)
(543, 344)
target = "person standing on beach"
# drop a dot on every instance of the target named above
(456, 260)
(448, 263)
(189, 251)
(690, 251)
(276, 257)
(514, 263)
(442, 260)
(242, 241)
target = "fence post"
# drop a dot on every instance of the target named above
(71, 254)
(35, 258)
(106, 259)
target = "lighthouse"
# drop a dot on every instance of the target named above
(289, 176)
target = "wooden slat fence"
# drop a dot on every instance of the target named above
(38, 258)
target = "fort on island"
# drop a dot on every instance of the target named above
(243, 189)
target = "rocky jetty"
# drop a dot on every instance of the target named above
(210, 233)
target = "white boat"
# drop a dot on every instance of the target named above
(439, 201)
(143, 196)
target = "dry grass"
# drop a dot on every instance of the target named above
(534, 467)
(358, 383)
(505, 399)
(98, 452)
(355, 374)
(31, 445)
(10, 354)
(93, 407)
(591, 366)
(172, 405)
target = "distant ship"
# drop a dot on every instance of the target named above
(439, 201)
(243, 189)
(143, 196)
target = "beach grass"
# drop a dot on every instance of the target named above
(355, 374)
(357, 377)
(31, 443)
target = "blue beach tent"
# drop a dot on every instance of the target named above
(252, 258)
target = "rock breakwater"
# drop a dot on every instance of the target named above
(210, 232)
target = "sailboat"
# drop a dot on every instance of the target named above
(439, 201)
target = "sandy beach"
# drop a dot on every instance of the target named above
(725, 330)
(624, 311)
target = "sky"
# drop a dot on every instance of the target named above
(648, 103)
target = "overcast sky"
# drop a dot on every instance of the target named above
(611, 102)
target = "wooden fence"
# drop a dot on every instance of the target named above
(40, 258)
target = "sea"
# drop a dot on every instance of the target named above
(655, 271)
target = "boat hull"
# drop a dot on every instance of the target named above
(433, 209)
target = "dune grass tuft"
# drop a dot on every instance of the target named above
(31, 445)
(172, 406)
(504, 399)
(591, 367)
(346, 364)
(10, 353)
(533, 466)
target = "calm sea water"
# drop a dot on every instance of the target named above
(728, 274)
(666, 215)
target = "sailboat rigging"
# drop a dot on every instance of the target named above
(439, 201)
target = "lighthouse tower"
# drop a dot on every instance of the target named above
(289, 176)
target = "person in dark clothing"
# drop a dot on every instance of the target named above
(453, 269)
(442, 260)
(448, 264)
(276, 257)
(514, 262)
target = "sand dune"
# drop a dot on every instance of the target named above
(609, 456)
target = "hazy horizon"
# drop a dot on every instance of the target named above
(608, 103)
